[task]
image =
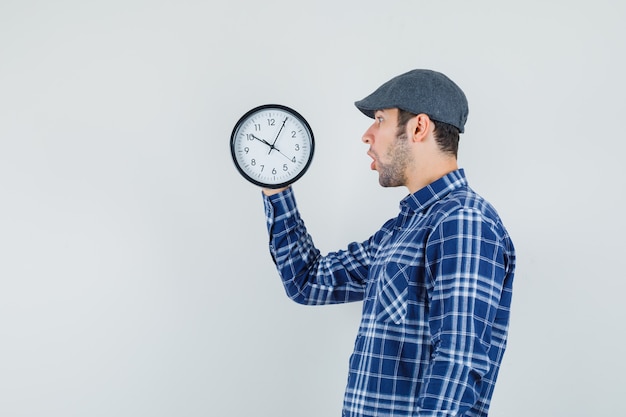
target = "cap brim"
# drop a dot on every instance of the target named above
(365, 109)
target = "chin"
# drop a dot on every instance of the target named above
(387, 182)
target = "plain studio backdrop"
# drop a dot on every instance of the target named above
(135, 278)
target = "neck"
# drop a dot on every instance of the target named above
(430, 174)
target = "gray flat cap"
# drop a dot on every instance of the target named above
(420, 91)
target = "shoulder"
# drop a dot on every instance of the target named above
(464, 206)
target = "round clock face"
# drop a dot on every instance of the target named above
(272, 146)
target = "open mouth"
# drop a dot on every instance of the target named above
(373, 164)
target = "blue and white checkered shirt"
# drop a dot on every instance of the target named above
(436, 286)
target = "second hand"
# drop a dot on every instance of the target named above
(271, 147)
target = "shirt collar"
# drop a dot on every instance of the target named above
(437, 190)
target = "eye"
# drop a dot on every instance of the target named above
(379, 119)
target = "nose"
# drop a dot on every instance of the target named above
(368, 136)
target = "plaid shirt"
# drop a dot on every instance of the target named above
(436, 287)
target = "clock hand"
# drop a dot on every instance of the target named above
(283, 154)
(276, 138)
(263, 140)
(271, 146)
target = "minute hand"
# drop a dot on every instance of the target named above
(277, 135)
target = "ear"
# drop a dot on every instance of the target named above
(419, 127)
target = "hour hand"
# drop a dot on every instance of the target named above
(262, 140)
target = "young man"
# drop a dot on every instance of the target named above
(436, 281)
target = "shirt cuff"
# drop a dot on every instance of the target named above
(279, 206)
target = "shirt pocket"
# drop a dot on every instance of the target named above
(392, 293)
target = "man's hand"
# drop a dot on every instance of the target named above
(271, 191)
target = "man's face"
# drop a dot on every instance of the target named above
(389, 148)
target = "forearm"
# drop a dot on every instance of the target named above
(467, 282)
(452, 384)
(308, 277)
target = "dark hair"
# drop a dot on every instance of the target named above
(446, 135)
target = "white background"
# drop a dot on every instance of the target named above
(134, 274)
